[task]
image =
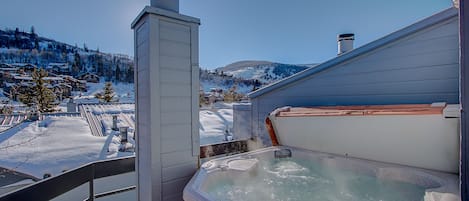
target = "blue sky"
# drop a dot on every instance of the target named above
(287, 31)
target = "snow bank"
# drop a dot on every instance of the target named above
(119, 149)
(213, 124)
(63, 143)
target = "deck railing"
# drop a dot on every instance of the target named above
(50, 188)
(53, 187)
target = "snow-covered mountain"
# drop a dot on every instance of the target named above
(264, 71)
(248, 75)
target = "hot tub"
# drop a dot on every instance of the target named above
(344, 153)
(287, 173)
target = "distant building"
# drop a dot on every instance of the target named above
(89, 77)
(76, 84)
(2, 65)
(59, 68)
(25, 67)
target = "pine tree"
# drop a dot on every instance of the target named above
(255, 85)
(38, 94)
(108, 93)
(17, 37)
(32, 31)
(27, 95)
(130, 74)
(100, 65)
(118, 73)
(76, 64)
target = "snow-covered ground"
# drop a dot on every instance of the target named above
(124, 92)
(57, 144)
(54, 145)
(214, 122)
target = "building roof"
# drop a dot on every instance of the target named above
(425, 23)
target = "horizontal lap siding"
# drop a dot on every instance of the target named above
(420, 68)
(143, 117)
(175, 77)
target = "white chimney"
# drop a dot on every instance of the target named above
(345, 42)
(171, 5)
(167, 101)
(456, 3)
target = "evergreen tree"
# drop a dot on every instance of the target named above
(37, 94)
(36, 43)
(27, 95)
(108, 93)
(17, 37)
(76, 64)
(32, 31)
(130, 74)
(255, 85)
(100, 65)
(118, 73)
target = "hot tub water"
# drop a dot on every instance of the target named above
(299, 179)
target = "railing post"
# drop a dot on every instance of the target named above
(91, 182)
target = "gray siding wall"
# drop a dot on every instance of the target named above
(420, 68)
(242, 122)
(167, 106)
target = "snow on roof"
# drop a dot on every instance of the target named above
(6, 65)
(8, 84)
(58, 64)
(9, 69)
(62, 143)
(23, 65)
(66, 85)
(425, 23)
(53, 78)
(22, 77)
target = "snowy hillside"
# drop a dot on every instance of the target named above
(248, 75)
(23, 47)
(264, 71)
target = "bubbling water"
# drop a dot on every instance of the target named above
(293, 179)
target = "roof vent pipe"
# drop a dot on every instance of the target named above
(345, 42)
(171, 5)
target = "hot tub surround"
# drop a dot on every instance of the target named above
(419, 135)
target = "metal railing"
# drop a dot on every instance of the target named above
(52, 187)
